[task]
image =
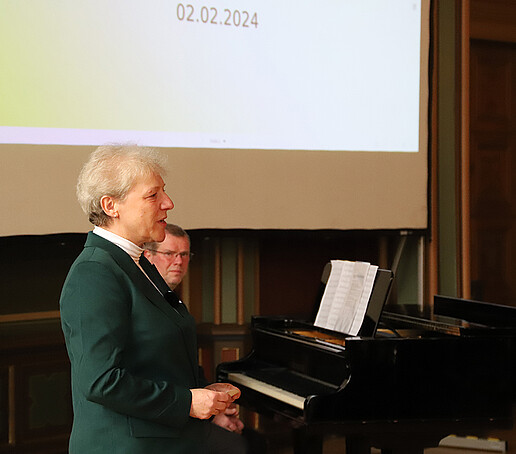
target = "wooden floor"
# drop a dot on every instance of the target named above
(279, 441)
(338, 446)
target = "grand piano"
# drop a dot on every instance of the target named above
(401, 385)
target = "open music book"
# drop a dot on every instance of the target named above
(346, 296)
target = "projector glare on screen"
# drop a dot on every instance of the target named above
(305, 75)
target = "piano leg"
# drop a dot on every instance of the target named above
(305, 442)
(357, 446)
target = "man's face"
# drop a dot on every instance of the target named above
(172, 259)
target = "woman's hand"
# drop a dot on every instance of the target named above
(229, 420)
(207, 402)
(233, 391)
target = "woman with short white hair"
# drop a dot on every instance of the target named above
(131, 342)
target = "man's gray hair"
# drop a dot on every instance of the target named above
(112, 170)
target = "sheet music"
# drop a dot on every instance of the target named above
(346, 296)
(337, 288)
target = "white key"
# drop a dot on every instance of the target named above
(269, 390)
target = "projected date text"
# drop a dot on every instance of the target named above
(217, 16)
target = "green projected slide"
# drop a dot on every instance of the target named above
(268, 74)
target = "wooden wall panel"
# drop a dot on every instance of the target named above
(4, 406)
(43, 401)
(493, 171)
(35, 400)
(493, 20)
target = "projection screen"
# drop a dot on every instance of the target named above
(273, 114)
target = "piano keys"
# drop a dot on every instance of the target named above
(398, 394)
(264, 387)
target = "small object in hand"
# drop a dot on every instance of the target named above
(232, 392)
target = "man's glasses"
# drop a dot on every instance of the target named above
(173, 254)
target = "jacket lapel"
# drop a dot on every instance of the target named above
(167, 301)
(131, 269)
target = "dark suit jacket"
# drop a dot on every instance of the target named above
(133, 357)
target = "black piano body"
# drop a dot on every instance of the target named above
(416, 381)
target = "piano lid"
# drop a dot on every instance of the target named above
(478, 312)
(454, 316)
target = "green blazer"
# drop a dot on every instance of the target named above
(133, 358)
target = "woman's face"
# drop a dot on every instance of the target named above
(141, 216)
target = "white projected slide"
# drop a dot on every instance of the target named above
(268, 74)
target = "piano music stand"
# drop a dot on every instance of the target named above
(379, 295)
